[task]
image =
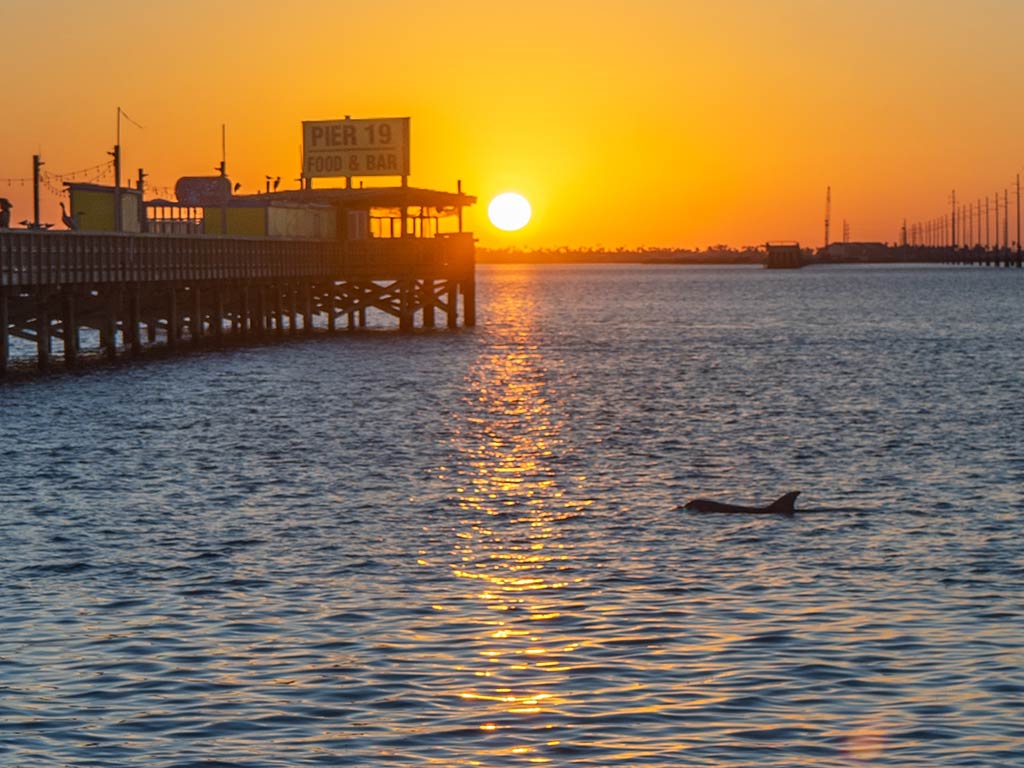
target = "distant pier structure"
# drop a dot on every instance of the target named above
(784, 255)
(252, 268)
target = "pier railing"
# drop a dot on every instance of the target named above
(29, 258)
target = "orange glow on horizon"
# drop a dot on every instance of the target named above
(672, 123)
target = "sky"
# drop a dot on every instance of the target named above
(625, 123)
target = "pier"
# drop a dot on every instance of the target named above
(139, 291)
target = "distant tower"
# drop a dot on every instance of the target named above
(846, 231)
(828, 211)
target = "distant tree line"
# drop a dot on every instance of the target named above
(715, 254)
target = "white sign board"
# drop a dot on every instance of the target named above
(378, 147)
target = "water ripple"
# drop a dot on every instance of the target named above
(469, 548)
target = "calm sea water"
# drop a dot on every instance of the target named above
(467, 548)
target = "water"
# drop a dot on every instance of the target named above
(467, 548)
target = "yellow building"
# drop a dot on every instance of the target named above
(92, 208)
(265, 218)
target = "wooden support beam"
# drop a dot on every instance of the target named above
(278, 309)
(134, 339)
(70, 321)
(453, 303)
(331, 309)
(405, 305)
(5, 344)
(217, 317)
(307, 307)
(195, 315)
(172, 317)
(244, 310)
(42, 333)
(428, 299)
(260, 318)
(108, 332)
(293, 310)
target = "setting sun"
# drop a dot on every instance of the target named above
(509, 211)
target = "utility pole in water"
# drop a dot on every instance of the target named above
(1006, 219)
(952, 240)
(987, 236)
(828, 211)
(1018, 218)
(979, 221)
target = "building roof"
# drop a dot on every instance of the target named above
(373, 197)
(81, 186)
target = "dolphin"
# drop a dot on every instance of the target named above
(781, 506)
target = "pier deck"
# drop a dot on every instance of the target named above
(139, 290)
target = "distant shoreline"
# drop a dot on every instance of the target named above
(880, 254)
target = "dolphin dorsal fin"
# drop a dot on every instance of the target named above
(784, 504)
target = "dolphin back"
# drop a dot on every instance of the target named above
(784, 504)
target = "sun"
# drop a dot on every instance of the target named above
(509, 211)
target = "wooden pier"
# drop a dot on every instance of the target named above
(140, 291)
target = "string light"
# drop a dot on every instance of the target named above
(55, 182)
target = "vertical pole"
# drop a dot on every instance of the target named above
(987, 235)
(244, 310)
(261, 311)
(278, 309)
(1018, 219)
(36, 165)
(405, 290)
(1006, 225)
(828, 211)
(43, 333)
(109, 333)
(117, 181)
(70, 329)
(453, 303)
(997, 227)
(217, 319)
(978, 238)
(293, 309)
(196, 315)
(307, 308)
(427, 293)
(330, 308)
(143, 224)
(952, 239)
(134, 317)
(172, 317)
(5, 343)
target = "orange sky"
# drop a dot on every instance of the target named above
(625, 123)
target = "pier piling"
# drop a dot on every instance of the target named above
(153, 288)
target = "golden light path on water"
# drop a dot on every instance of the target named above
(509, 545)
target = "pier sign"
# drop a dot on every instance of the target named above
(374, 147)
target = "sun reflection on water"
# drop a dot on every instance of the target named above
(513, 504)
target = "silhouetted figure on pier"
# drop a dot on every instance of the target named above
(5, 213)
